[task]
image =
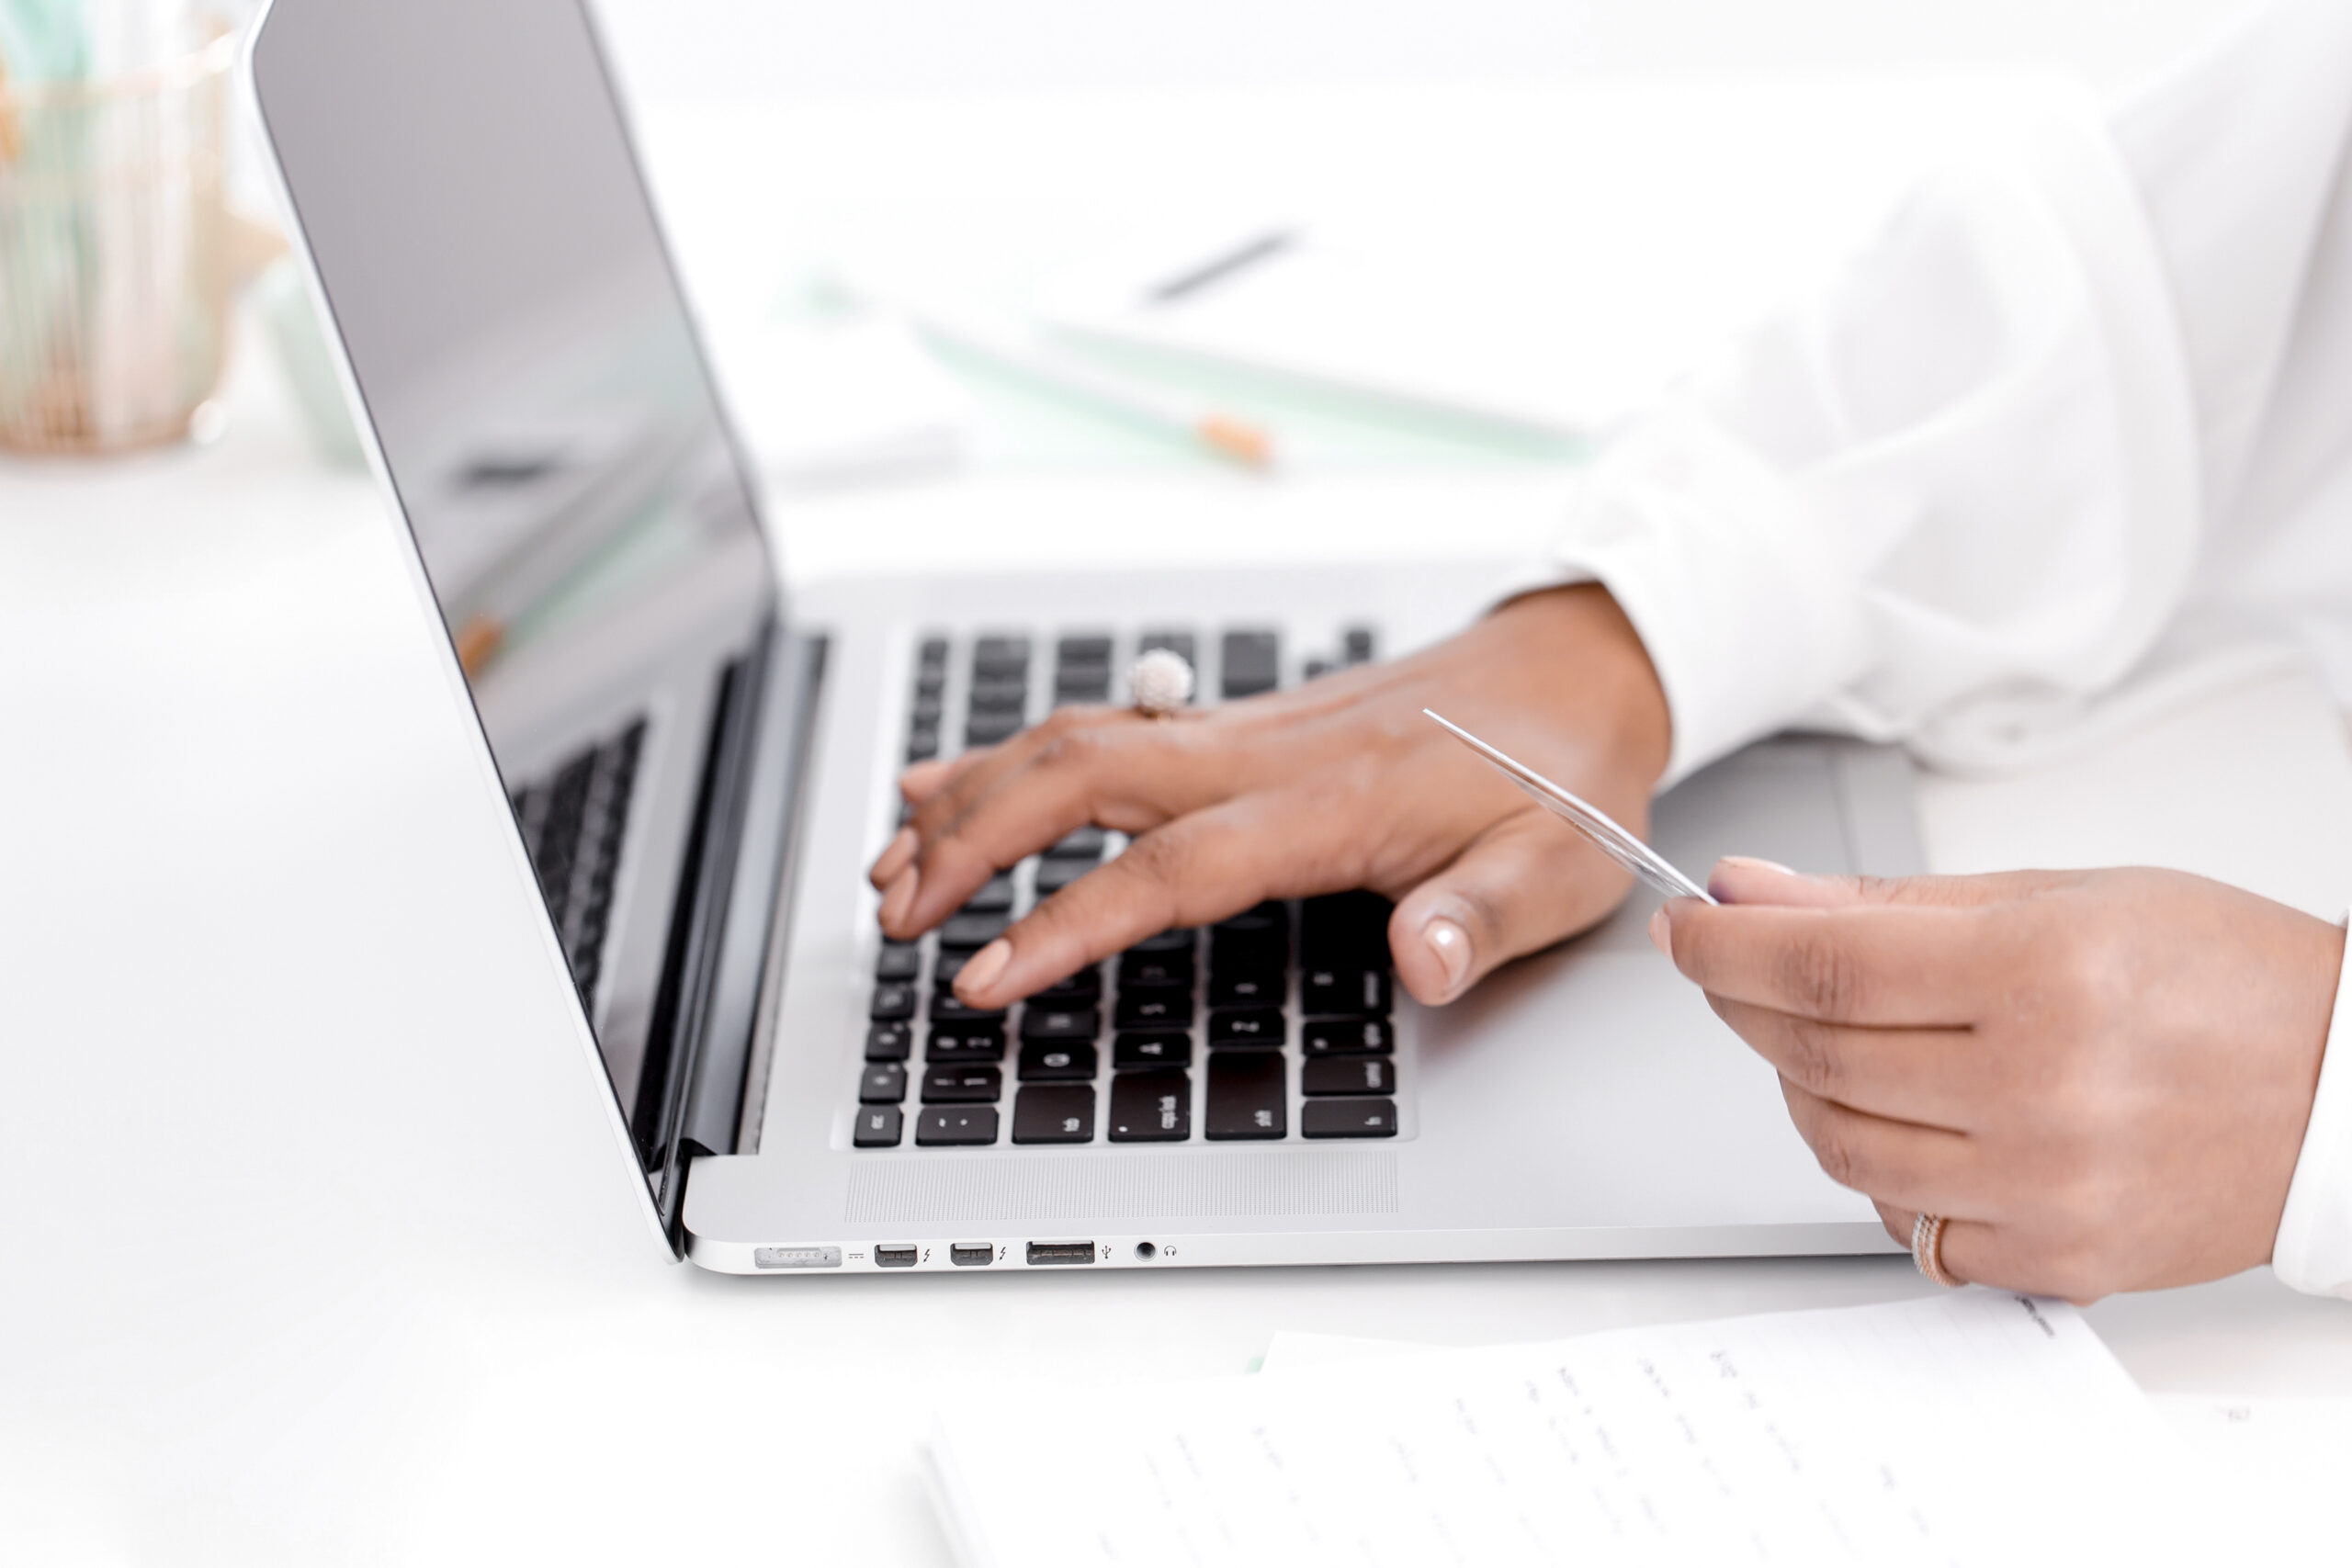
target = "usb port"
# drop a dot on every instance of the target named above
(972, 1254)
(1061, 1252)
(895, 1257)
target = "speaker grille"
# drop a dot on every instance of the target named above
(1229, 1183)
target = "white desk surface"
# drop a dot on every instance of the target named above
(318, 1248)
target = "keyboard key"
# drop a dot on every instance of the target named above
(1154, 1107)
(885, 1083)
(1318, 668)
(1091, 648)
(948, 1047)
(1001, 694)
(1155, 1007)
(1182, 644)
(926, 711)
(1156, 968)
(1048, 1060)
(956, 1086)
(1053, 875)
(1255, 938)
(970, 932)
(953, 1125)
(1069, 692)
(1343, 993)
(889, 1041)
(947, 1007)
(1079, 843)
(999, 650)
(931, 680)
(946, 967)
(922, 745)
(1247, 1026)
(1246, 1096)
(1060, 1024)
(1249, 662)
(1348, 1075)
(991, 728)
(877, 1127)
(1152, 1048)
(1180, 940)
(1002, 671)
(1346, 930)
(1349, 1119)
(995, 897)
(1251, 923)
(933, 654)
(1230, 988)
(1347, 1037)
(899, 961)
(1053, 1114)
(1358, 641)
(892, 1000)
(1085, 987)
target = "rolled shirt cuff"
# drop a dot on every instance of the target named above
(1731, 582)
(2314, 1252)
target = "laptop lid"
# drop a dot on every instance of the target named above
(464, 183)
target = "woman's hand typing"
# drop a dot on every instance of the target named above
(1335, 784)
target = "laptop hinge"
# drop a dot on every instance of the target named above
(705, 1014)
(683, 1004)
(759, 915)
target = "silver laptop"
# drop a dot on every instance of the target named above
(700, 766)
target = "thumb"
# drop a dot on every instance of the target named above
(1739, 879)
(1521, 885)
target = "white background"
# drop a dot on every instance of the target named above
(317, 1247)
(733, 48)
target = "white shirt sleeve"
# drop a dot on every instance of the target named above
(2067, 396)
(2313, 1249)
(2079, 416)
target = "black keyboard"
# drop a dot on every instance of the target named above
(1272, 1025)
(572, 824)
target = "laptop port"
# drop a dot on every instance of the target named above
(1060, 1252)
(895, 1257)
(972, 1254)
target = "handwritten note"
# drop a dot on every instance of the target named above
(1977, 1428)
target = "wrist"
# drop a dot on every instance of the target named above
(1595, 669)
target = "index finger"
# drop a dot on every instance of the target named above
(1884, 966)
(1198, 868)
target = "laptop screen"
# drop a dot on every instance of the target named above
(466, 184)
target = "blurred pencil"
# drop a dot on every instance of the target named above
(1223, 435)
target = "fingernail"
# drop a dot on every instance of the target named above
(1759, 863)
(899, 898)
(1662, 933)
(918, 779)
(981, 971)
(901, 852)
(1451, 943)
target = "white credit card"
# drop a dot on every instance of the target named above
(1585, 818)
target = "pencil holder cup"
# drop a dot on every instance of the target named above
(114, 275)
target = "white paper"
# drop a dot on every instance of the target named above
(1556, 306)
(1976, 1428)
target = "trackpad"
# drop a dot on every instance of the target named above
(1592, 1085)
